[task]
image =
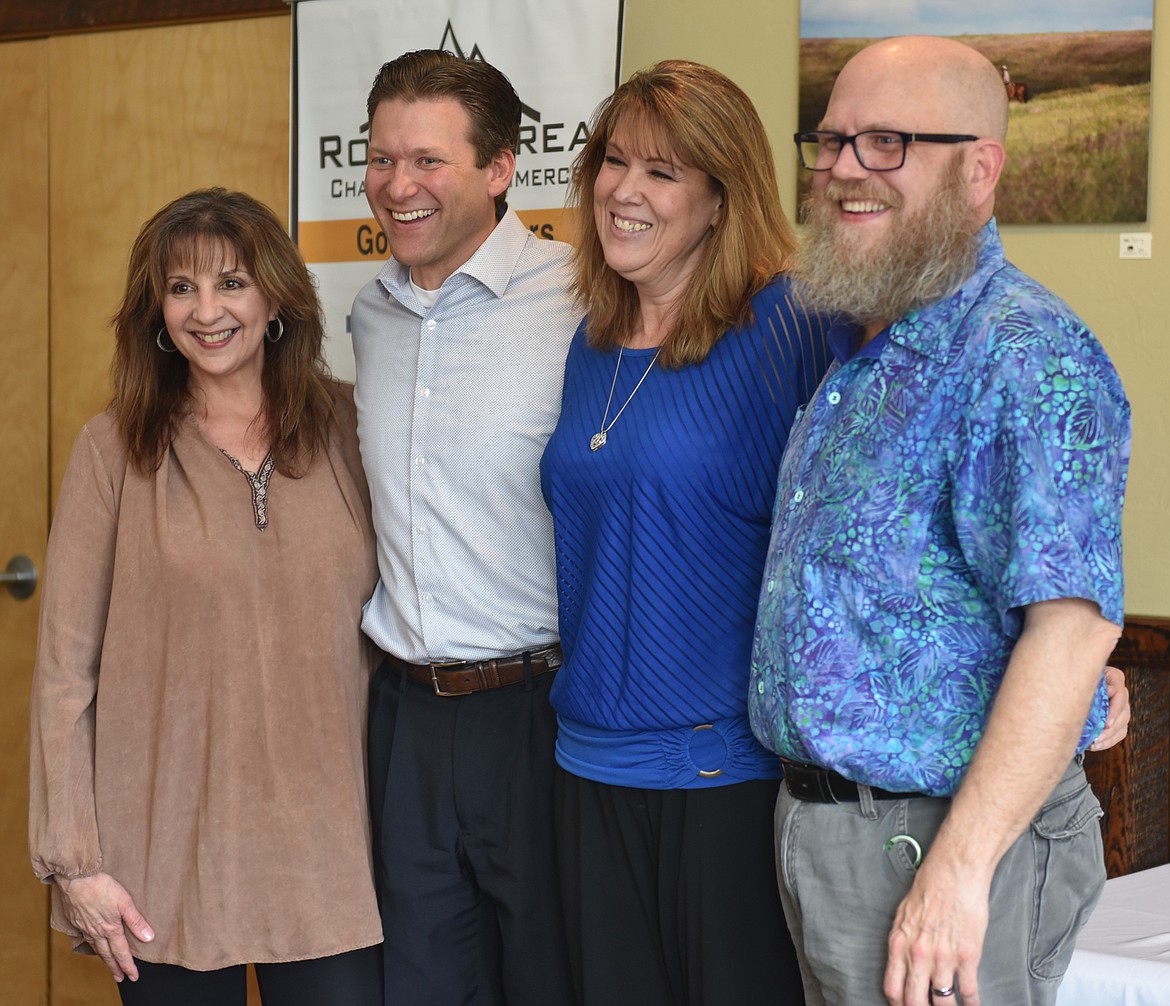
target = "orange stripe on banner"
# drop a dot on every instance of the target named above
(342, 240)
(363, 240)
(556, 224)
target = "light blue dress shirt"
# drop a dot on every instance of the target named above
(455, 404)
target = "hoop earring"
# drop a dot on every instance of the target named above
(159, 339)
(279, 331)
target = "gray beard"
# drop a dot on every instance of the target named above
(920, 261)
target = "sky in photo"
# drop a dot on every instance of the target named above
(879, 18)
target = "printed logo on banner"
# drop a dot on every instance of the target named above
(340, 46)
(548, 143)
(537, 137)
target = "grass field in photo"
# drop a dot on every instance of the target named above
(1078, 150)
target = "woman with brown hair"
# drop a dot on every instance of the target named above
(679, 391)
(198, 780)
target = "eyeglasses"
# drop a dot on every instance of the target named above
(875, 149)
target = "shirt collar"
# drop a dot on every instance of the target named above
(929, 330)
(932, 329)
(492, 263)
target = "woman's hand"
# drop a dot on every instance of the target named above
(102, 910)
(1117, 719)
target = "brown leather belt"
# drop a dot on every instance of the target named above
(822, 785)
(463, 677)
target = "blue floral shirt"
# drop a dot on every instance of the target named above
(967, 462)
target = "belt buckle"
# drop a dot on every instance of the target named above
(551, 655)
(825, 784)
(809, 782)
(435, 677)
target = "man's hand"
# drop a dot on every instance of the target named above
(103, 910)
(937, 938)
(1039, 712)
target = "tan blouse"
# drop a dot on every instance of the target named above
(199, 700)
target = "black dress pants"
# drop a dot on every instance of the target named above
(671, 896)
(348, 979)
(461, 792)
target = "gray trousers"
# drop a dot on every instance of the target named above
(841, 887)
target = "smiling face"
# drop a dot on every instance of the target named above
(216, 316)
(435, 206)
(868, 207)
(881, 243)
(653, 214)
(918, 85)
(919, 260)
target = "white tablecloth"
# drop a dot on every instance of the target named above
(1123, 953)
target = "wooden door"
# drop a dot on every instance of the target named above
(97, 131)
(24, 489)
(138, 118)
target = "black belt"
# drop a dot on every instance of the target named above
(463, 677)
(822, 785)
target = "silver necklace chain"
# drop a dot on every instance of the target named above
(597, 441)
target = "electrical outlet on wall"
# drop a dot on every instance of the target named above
(1136, 245)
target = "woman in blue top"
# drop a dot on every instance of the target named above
(680, 388)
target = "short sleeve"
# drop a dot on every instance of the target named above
(1040, 480)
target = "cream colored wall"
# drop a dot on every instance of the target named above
(755, 42)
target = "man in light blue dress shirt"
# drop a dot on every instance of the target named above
(460, 346)
(943, 584)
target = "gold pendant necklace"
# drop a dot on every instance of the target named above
(597, 441)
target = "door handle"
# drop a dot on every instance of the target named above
(20, 577)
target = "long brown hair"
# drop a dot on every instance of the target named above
(698, 116)
(151, 392)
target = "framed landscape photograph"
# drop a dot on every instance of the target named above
(1076, 74)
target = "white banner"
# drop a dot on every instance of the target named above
(562, 57)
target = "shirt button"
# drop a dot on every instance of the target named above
(426, 598)
(419, 462)
(760, 687)
(834, 398)
(431, 324)
(421, 529)
(424, 392)
(771, 584)
(796, 496)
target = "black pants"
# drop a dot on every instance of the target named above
(349, 979)
(461, 793)
(671, 896)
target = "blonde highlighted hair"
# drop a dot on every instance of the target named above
(690, 113)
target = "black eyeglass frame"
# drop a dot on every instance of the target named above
(907, 139)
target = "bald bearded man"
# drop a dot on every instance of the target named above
(944, 581)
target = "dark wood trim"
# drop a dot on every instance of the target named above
(37, 18)
(1146, 633)
(1132, 780)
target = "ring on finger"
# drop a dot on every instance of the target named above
(946, 990)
